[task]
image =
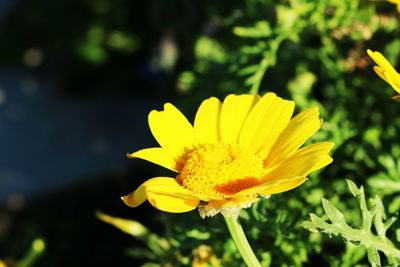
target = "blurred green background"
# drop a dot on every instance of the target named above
(78, 78)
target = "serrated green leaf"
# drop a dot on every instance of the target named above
(373, 257)
(389, 222)
(394, 206)
(398, 235)
(363, 236)
(379, 216)
(334, 214)
(353, 188)
(318, 222)
(309, 226)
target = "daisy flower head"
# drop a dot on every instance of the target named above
(236, 151)
(385, 70)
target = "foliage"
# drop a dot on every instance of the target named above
(36, 250)
(161, 251)
(315, 53)
(364, 235)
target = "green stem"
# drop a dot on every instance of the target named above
(238, 236)
(259, 75)
(269, 59)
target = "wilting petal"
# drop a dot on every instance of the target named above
(159, 156)
(206, 123)
(299, 129)
(172, 130)
(265, 123)
(233, 113)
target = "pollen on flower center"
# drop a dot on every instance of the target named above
(220, 170)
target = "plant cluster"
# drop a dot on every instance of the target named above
(313, 52)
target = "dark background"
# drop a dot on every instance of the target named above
(73, 102)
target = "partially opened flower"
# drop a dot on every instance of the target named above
(246, 147)
(385, 70)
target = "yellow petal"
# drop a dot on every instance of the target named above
(233, 113)
(139, 196)
(303, 162)
(394, 81)
(385, 70)
(299, 129)
(206, 123)
(173, 188)
(159, 156)
(265, 123)
(130, 227)
(380, 72)
(163, 193)
(382, 62)
(170, 203)
(284, 186)
(272, 186)
(172, 130)
(379, 59)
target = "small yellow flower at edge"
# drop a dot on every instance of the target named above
(246, 147)
(385, 70)
(396, 2)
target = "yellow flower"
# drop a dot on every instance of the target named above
(246, 147)
(203, 256)
(385, 70)
(396, 2)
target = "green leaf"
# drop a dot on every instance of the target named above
(259, 30)
(353, 188)
(373, 257)
(210, 50)
(363, 236)
(334, 214)
(318, 222)
(158, 245)
(310, 226)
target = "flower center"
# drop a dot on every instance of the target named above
(220, 170)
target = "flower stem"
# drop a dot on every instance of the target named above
(238, 236)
